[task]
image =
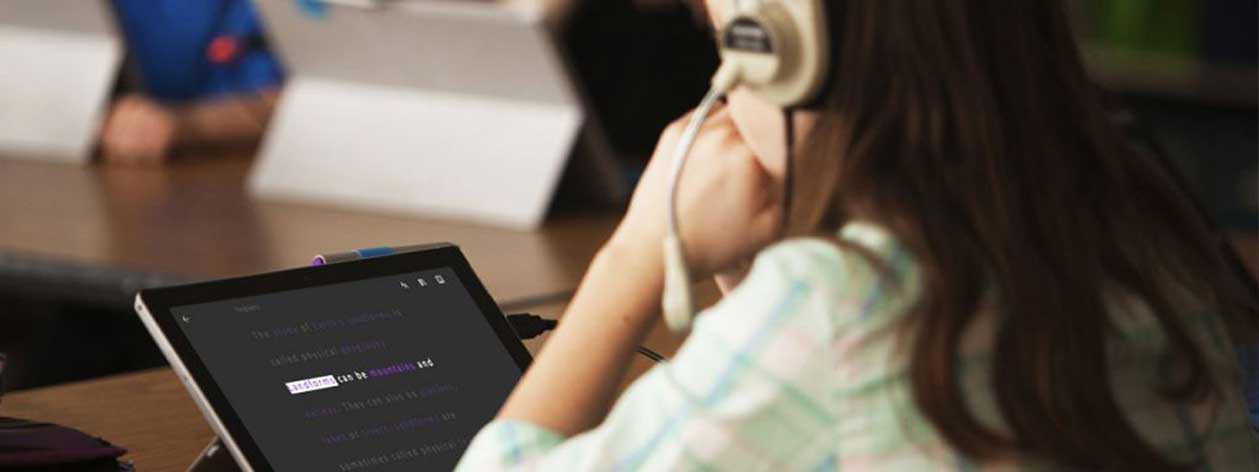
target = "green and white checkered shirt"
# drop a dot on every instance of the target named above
(798, 369)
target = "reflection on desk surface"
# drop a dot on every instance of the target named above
(195, 219)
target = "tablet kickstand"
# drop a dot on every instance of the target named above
(214, 458)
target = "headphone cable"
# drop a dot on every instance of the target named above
(789, 140)
(683, 149)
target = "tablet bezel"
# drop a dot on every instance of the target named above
(156, 305)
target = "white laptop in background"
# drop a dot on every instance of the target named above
(59, 62)
(445, 108)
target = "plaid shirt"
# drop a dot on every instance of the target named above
(798, 369)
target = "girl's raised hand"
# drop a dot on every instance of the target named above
(729, 206)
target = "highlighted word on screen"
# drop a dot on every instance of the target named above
(309, 385)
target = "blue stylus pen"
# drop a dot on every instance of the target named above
(321, 259)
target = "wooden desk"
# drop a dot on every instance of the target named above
(194, 218)
(149, 413)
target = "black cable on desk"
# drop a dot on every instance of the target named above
(529, 326)
(650, 354)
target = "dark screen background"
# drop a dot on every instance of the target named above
(418, 371)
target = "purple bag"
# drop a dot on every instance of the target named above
(32, 446)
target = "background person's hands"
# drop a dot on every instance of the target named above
(138, 130)
(728, 204)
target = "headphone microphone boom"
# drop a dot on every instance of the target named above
(779, 50)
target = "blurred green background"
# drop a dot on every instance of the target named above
(1187, 70)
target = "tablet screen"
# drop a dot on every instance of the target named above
(390, 373)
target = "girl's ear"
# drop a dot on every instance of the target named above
(761, 127)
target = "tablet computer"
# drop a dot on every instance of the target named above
(390, 363)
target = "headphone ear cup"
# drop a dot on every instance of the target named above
(780, 48)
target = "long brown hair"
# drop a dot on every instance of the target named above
(970, 130)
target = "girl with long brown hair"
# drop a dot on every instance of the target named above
(978, 271)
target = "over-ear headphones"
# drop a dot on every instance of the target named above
(779, 50)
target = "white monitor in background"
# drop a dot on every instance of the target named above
(58, 63)
(455, 109)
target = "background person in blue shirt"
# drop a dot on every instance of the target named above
(205, 78)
